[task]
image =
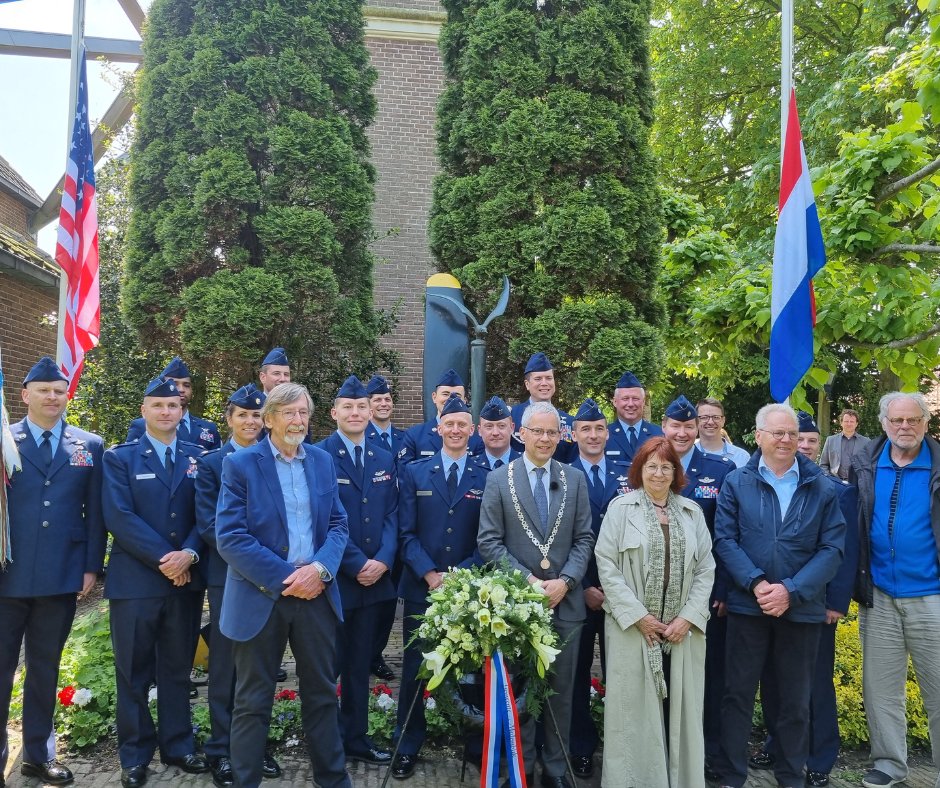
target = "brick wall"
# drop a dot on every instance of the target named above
(23, 338)
(403, 150)
(13, 214)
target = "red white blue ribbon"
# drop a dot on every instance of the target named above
(500, 724)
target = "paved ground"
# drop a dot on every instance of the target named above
(437, 769)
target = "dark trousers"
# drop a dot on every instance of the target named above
(309, 625)
(44, 623)
(356, 651)
(154, 639)
(584, 737)
(792, 646)
(412, 737)
(823, 713)
(716, 631)
(384, 621)
(221, 679)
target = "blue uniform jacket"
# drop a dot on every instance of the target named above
(398, 438)
(422, 441)
(371, 505)
(615, 483)
(803, 551)
(251, 534)
(148, 518)
(704, 477)
(566, 450)
(840, 588)
(56, 529)
(437, 533)
(208, 485)
(201, 432)
(618, 446)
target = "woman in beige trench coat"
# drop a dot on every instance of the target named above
(656, 568)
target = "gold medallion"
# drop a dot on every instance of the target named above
(545, 564)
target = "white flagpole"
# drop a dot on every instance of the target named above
(78, 39)
(786, 68)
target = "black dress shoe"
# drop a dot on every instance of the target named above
(51, 772)
(710, 774)
(270, 768)
(134, 776)
(761, 760)
(281, 676)
(404, 766)
(817, 779)
(222, 772)
(372, 755)
(192, 762)
(381, 670)
(555, 782)
(583, 765)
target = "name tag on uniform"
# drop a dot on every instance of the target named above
(146, 476)
(424, 492)
(617, 453)
(428, 453)
(343, 481)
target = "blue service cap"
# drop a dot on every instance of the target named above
(276, 356)
(44, 371)
(377, 385)
(450, 379)
(495, 410)
(538, 362)
(176, 369)
(162, 387)
(352, 388)
(628, 381)
(806, 422)
(680, 409)
(249, 397)
(589, 411)
(454, 404)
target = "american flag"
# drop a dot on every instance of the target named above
(76, 249)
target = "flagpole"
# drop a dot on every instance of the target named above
(786, 68)
(78, 39)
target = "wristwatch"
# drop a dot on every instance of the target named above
(192, 554)
(570, 582)
(325, 575)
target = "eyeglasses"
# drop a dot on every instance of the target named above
(900, 421)
(290, 415)
(665, 470)
(779, 435)
(710, 418)
(538, 432)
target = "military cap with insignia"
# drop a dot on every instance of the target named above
(352, 388)
(45, 371)
(538, 362)
(806, 422)
(449, 378)
(161, 387)
(680, 409)
(629, 381)
(589, 411)
(377, 385)
(495, 410)
(454, 404)
(277, 357)
(176, 369)
(249, 397)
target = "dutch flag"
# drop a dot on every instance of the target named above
(798, 256)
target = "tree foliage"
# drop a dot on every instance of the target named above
(252, 191)
(547, 178)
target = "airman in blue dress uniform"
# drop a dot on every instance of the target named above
(368, 489)
(629, 430)
(155, 589)
(438, 516)
(243, 416)
(275, 369)
(496, 429)
(192, 429)
(57, 542)
(423, 440)
(540, 383)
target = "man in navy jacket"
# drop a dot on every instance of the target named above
(57, 547)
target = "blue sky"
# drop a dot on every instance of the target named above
(34, 92)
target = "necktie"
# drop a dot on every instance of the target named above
(632, 439)
(45, 448)
(359, 466)
(452, 481)
(541, 499)
(387, 441)
(168, 463)
(182, 430)
(498, 464)
(596, 477)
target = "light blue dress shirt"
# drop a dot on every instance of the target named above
(504, 457)
(37, 431)
(533, 479)
(785, 486)
(160, 448)
(601, 465)
(351, 447)
(297, 504)
(447, 461)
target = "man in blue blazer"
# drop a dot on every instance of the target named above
(438, 520)
(368, 489)
(496, 429)
(191, 428)
(539, 380)
(243, 416)
(56, 550)
(282, 530)
(606, 480)
(629, 431)
(154, 588)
